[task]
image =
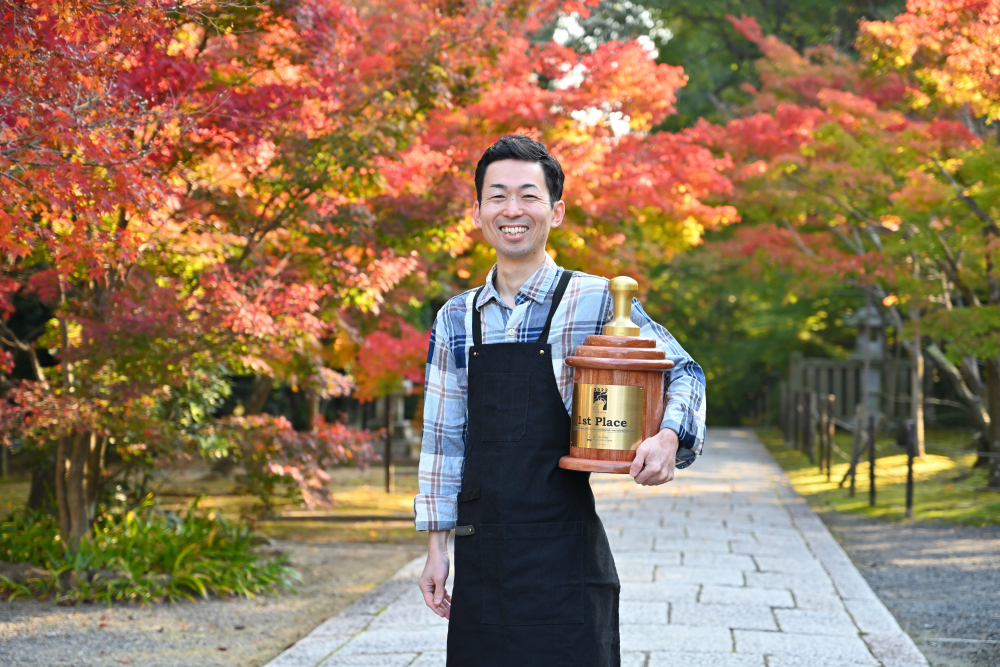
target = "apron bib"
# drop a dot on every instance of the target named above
(535, 582)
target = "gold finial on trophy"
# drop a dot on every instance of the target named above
(622, 290)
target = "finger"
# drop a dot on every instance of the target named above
(440, 591)
(648, 472)
(666, 475)
(638, 462)
(428, 596)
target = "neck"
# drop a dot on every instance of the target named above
(513, 273)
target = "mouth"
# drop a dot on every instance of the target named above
(513, 231)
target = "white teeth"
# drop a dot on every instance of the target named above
(513, 231)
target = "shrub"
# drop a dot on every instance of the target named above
(143, 555)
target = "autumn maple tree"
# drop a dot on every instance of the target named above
(187, 190)
(193, 192)
(882, 173)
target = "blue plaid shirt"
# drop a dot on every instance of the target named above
(586, 307)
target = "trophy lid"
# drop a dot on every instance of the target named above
(622, 290)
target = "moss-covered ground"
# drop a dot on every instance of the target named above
(944, 481)
(356, 492)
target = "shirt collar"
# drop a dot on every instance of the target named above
(535, 288)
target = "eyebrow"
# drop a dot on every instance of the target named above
(501, 186)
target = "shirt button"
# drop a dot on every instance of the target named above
(510, 332)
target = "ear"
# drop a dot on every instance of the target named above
(558, 213)
(475, 215)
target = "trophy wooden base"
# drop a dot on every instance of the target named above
(586, 464)
(622, 361)
(618, 387)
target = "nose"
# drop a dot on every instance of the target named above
(513, 208)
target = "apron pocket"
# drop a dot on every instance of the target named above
(469, 512)
(532, 573)
(504, 406)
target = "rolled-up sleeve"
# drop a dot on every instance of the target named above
(684, 413)
(442, 449)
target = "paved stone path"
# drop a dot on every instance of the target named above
(725, 567)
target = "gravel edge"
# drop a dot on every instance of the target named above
(881, 632)
(332, 634)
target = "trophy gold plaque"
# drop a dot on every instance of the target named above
(617, 390)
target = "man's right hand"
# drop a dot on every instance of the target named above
(435, 574)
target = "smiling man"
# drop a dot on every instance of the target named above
(535, 582)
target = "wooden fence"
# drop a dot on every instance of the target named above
(888, 384)
(807, 419)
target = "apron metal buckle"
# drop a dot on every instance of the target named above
(464, 531)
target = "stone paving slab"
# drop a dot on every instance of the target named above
(725, 567)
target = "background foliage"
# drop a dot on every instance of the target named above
(206, 204)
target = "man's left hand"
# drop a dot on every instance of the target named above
(655, 459)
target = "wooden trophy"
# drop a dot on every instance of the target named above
(617, 391)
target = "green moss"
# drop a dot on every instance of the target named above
(943, 481)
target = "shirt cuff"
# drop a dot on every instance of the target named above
(433, 512)
(686, 442)
(686, 439)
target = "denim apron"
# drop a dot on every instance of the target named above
(535, 582)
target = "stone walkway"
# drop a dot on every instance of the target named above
(725, 567)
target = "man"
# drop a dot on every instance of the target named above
(535, 583)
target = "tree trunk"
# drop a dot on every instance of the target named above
(43, 487)
(78, 477)
(891, 375)
(867, 365)
(260, 391)
(970, 373)
(61, 503)
(390, 418)
(95, 474)
(913, 347)
(980, 414)
(312, 408)
(76, 491)
(993, 403)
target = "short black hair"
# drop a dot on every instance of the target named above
(525, 149)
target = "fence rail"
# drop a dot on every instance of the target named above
(844, 378)
(808, 421)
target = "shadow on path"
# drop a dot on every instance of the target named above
(941, 582)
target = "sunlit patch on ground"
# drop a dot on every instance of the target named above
(943, 485)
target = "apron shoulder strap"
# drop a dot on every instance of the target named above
(477, 325)
(556, 299)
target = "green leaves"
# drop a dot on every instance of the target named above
(970, 332)
(144, 555)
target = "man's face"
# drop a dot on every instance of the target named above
(516, 213)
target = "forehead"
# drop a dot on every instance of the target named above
(514, 174)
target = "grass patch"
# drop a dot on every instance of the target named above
(13, 493)
(145, 555)
(365, 532)
(356, 492)
(942, 482)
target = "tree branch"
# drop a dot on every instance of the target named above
(798, 239)
(975, 404)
